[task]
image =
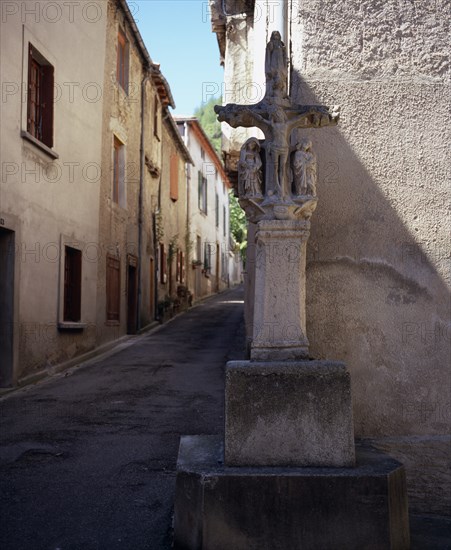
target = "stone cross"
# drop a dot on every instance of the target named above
(277, 190)
(277, 116)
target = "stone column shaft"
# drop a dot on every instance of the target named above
(279, 325)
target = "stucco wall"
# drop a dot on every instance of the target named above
(378, 270)
(204, 225)
(378, 255)
(47, 200)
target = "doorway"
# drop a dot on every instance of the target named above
(7, 259)
(152, 289)
(132, 294)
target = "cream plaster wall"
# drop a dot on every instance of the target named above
(378, 256)
(204, 225)
(51, 198)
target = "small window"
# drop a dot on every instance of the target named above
(202, 153)
(217, 209)
(202, 193)
(113, 288)
(118, 192)
(174, 177)
(207, 257)
(40, 97)
(224, 220)
(122, 60)
(156, 106)
(72, 285)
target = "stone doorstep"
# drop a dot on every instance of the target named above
(220, 507)
(295, 413)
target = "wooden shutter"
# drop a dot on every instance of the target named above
(72, 285)
(47, 105)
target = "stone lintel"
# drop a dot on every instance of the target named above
(288, 413)
(287, 508)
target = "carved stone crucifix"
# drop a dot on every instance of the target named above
(280, 205)
(277, 117)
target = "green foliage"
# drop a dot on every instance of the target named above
(238, 224)
(209, 122)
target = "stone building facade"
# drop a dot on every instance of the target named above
(51, 161)
(378, 256)
(208, 215)
(140, 155)
(89, 152)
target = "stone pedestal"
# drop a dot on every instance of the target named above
(278, 323)
(223, 508)
(288, 414)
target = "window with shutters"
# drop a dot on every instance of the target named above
(174, 177)
(217, 209)
(155, 117)
(207, 257)
(40, 97)
(122, 60)
(113, 288)
(202, 183)
(72, 284)
(118, 191)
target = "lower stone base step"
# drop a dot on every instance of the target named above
(272, 508)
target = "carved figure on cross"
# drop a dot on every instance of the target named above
(277, 117)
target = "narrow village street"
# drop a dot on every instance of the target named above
(88, 457)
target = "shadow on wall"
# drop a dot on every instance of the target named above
(376, 268)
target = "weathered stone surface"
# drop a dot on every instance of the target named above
(218, 507)
(288, 414)
(278, 326)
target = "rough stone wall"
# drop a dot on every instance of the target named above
(378, 256)
(118, 224)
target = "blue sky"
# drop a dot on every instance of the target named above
(177, 34)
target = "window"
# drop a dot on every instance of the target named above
(163, 265)
(122, 60)
(155, 116)
(40, 97)
(180, 267)
(217, 209)
(207, 257)
(202, 193)
(72, 284)
(224, 220)
(118, 192)
(113, 288)
(202, 154)
(174, 177)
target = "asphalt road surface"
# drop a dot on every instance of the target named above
(88, 458)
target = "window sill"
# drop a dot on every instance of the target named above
(67, 325)
(39, 144)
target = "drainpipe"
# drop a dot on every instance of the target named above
(141, 198)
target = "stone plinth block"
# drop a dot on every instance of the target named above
(288, 414)
(223, 508)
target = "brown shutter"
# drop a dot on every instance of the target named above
(113, 288)
(47, 105)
